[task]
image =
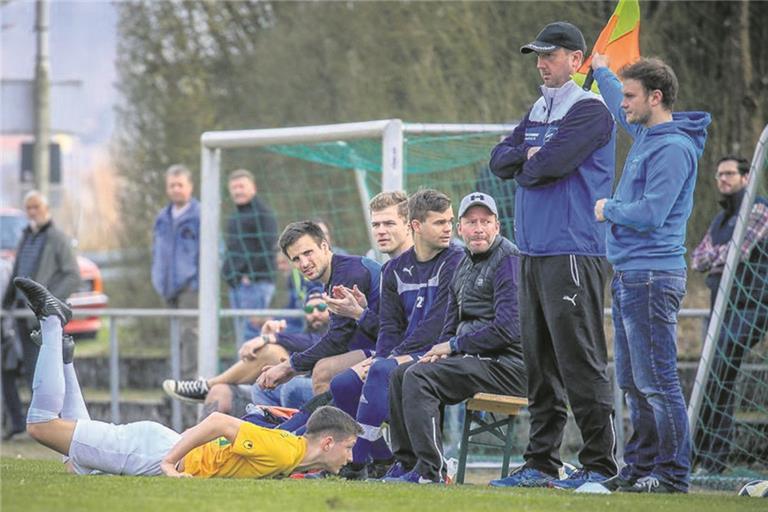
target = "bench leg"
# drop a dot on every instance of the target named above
(464, 448)
(508, 446)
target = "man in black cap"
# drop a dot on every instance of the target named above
(562, 156)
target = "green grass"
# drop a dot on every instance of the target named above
(31, 485)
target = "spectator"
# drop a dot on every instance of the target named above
(44, 254)
(647, 217)
(249, 261)
(745, 318)
(176, 255)
(11, 355)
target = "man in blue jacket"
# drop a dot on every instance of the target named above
(562, 156)
(175, 257)
(647, 216)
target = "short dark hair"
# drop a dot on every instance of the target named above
(330, 421)
(384, 200)
(654, 74)
(296, 230)
(424, 201)
(741, 163)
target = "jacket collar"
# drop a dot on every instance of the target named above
(485, 255)
(731, 202)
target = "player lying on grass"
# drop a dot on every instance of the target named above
(219, 446)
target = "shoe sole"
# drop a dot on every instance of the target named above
(168, 388)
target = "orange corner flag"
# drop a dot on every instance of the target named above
(619, 40)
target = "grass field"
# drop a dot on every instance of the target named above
(42, 485)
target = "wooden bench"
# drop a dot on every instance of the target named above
(495, 415)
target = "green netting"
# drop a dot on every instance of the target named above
(731, 442)
(423, 154)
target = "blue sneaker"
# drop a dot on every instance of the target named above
(412, 477)
(524, 477)
(396, 470)
(577, 479)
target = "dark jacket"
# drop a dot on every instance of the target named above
(343, 333)
(251, 240)
(482, 316)
(752, 270)
(56, 269)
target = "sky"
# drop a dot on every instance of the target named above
(82, 45)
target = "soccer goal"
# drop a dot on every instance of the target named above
(330, 172)
(728, 410)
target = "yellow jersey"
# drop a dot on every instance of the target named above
(257, 452)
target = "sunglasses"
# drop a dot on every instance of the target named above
(320, 307)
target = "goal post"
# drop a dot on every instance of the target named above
(391, 135)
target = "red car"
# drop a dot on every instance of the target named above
(91, 292)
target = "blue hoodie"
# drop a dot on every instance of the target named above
(648, 212)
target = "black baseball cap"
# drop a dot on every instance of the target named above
(559, 34)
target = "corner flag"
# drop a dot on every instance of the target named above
(619, 40)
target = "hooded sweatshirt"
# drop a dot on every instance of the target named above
(649, 210)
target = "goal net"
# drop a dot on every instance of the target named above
(728, 410)
(326, 173)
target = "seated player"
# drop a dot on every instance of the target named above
(230, 391)
(478, 350)
(414, 295)
(305, 246)
(392, 234)
(220, 446)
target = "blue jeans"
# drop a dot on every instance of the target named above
(645, 307)
(294, 393)
(254, 295)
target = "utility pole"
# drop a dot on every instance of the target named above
(42, 100)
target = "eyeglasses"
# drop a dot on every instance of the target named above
(725, 175)
(321, 307)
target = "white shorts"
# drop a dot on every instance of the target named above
(132, 449)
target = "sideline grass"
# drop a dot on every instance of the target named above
(34, 485)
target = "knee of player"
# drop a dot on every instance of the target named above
(221, 395)
(415, 375)
(345, 382)
(322, 374)
(38, 431)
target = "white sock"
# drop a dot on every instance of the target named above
(74, 404)
(48, 386)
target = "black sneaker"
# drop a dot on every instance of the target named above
(41, 301)
(618, 483)
(378, 468)
(67, 345)
(354, 471)
(650, 484)
(192, 391)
